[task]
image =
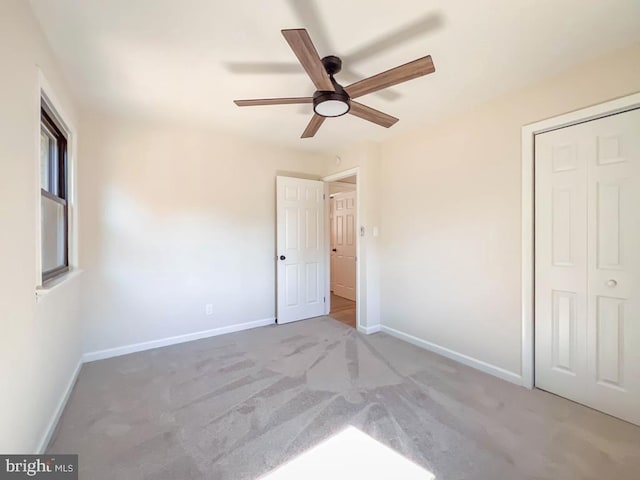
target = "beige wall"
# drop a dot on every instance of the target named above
(39, 342)
(450, 213)
(173, 219)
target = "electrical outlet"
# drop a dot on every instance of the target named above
(208, 309)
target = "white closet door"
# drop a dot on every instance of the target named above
(587, 297)
(561, 262)
(300, 249)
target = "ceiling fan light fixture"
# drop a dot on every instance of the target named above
(331, 104)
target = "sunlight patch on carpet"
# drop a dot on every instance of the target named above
(350, 454)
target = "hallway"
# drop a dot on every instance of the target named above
(343, 310)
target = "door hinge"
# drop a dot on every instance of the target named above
(324, 299)
(324, 196)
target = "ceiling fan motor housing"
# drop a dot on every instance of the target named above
(332, 64)
(327, 103)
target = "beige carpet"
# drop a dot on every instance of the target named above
(237, 406)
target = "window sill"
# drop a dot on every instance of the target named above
(55, 283)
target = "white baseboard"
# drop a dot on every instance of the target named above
(453, 355)
(369, 330)
(163, 342)
(53, 423)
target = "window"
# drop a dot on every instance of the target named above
(53, 196)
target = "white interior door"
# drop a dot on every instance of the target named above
(300, 249)
(587, 241)
(344, 245)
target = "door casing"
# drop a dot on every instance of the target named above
(327, 180)
(529, 132)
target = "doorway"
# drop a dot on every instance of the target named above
(587, 297)
(343, 233)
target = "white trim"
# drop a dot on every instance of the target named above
(327, 180)
(370, 330)
(46, 92)
(164, 342)
(56, 283)
(53, 423)
(453, 355)
(612, 107)
(334, 177)
(527, 281)
(327, 253)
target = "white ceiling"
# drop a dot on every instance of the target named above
(188, 59)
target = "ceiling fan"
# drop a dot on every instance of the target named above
(332, 99)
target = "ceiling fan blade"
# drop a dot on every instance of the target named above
(351, 76)
(371, 114)
(313, 126)
(301, 44)
(272, 101)
(308, 15)
(408, 71)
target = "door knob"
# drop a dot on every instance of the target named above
(611, 283)
(334, 249)
(282, 257)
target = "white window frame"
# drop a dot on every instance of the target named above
(46, 95)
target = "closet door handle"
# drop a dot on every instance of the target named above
(612, 283)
